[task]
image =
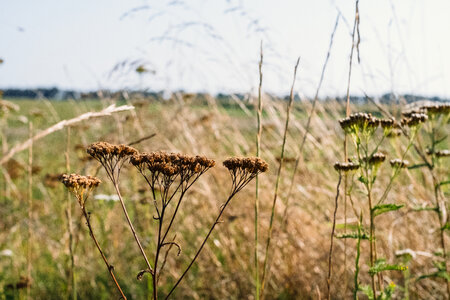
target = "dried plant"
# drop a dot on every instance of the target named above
(81, 187)
(112, 158)
(169, 176)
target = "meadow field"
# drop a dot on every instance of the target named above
(46, 251)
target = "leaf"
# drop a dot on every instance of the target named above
(349, 226)
(363, 180)
(444, 182)
(384, 208)
(439, 274)
(353, 235)
(446, 226)
(367, 290)
(417, 166)
(381, 265)
(441, 140)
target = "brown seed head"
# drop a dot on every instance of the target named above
(252, 165)
(377, 159)
(437, 109)
(440, 153)
(104, 150)
(414, 119)
(359, 121)
(398, 163)
(345, 166)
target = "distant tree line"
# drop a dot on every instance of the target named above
(57, 94)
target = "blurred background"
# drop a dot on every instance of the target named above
(213, 46)
(183, 76)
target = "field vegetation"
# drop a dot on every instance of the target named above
(386, 217)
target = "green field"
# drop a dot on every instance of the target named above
(298, 257)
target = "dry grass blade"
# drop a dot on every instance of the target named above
(60, 125)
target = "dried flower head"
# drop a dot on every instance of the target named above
(377, 159)
(345, 166)
(359, 123)
(439, 153)
(414, 119)
(437, 109)
(408, 114)
(162, 168)
(243, 170)
(111, 156)
(398, 163)
(387, 123)
(80, 186)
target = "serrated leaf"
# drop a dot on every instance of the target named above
(353, 235)
(384, 208)
(381, 265)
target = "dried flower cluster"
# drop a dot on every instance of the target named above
(414, 119)
(359, 121)
(398, 163)
(110, 156)
(80, 186)
(437, 109)
(345, 166)
(243, 170)
(439, 153)
(387, 123)
(377, 159)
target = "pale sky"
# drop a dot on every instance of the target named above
(213, 46)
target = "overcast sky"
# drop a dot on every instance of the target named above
(213, 46)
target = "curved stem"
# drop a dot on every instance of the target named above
(110, 268)
(202, 245)
(330, 254)
(132, 227)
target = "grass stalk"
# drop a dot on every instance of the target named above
(258, 154)
(308, 123)
(70, 225)
(30, 208)
(277, 182)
